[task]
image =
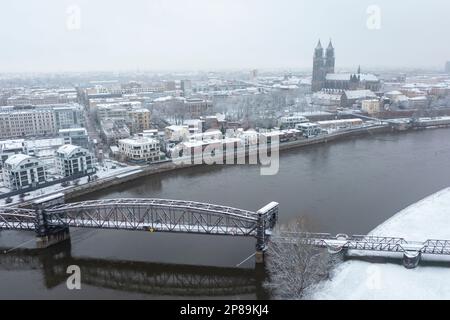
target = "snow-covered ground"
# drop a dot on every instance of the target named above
(427, 219)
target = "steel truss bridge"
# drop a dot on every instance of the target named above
(156, 215)
(411, 250)
(366, 243)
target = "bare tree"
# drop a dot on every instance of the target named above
(294, 266)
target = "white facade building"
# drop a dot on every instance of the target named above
(140, 149)
(74, 161)
(22, 171)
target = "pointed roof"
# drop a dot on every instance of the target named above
(319, 45)
(330, 45)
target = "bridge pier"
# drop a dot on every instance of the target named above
(48, 235)
(411, 259)
(267, 219)
(337, 254)
(52, 237)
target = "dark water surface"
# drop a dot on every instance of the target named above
(349, 186)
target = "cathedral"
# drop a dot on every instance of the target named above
(323, 76)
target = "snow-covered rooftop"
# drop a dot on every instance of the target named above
(359, 94)
(67, 149)
(16, 159)
(346, 77)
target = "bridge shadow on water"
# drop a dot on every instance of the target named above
(138, 277)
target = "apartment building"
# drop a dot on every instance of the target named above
(21, 171)
(140, 149)
(74, 161)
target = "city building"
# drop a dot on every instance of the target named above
(26, 121)
(112, 130)
(353, 98)
(196, 107)
(9, 148)
(68, 116)
(176, 133)
(186, 87)
(40, 96)
(329, 99)
(447, 67)
(21, 171)
(340, 124)
(140, 119)
(74, 161)
(208, 135)
(291, 121)
(324, 77)
(75, 136)
(45, 120)
(371, 106)
(309, 129)
(140, 149)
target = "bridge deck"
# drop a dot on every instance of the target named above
(367, 243)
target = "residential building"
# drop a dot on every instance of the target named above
(196, 107)
(38, 120)
(74, 161)
(371, 106)
(68, 116)
(140, 149)
(112, 130)
(291, 121)
(340, 124)
(75, 136)
(21, 171)
(176, 133)
(350, 98)
(140, 119)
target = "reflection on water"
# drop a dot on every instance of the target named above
(154, 279)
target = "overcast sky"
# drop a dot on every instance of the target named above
(46, 35)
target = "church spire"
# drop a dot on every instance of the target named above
(359, 69)
(319, 45)
(330, 45)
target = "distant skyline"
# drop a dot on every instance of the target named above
(110, 35)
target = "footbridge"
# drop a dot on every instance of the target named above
(411, 250)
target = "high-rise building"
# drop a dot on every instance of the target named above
(447, 67)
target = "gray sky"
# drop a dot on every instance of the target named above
(218, 34)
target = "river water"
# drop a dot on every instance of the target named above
(347, 186)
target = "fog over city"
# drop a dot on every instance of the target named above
(82, 35)
(235, 150)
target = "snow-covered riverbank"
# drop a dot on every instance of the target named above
(426, 219)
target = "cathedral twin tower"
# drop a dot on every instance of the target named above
(323, 64)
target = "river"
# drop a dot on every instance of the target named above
(347, 186)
